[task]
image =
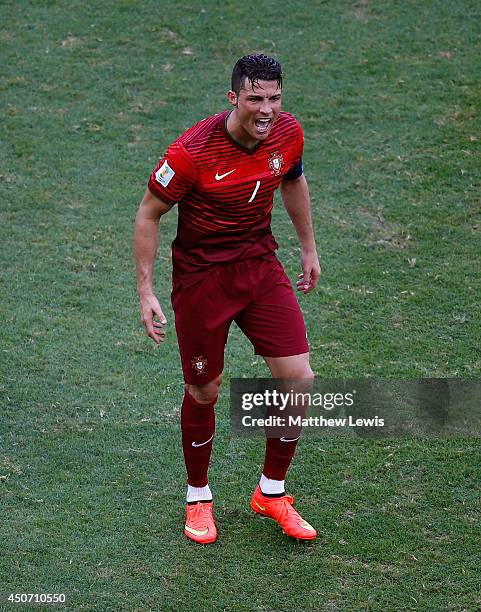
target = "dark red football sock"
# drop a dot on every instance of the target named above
(278, 457)
(197, 422)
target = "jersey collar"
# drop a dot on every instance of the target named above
(236, 142)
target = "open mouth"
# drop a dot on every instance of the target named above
(263, 125)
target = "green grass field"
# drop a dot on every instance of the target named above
(91, 471)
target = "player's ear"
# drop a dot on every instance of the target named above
(232, 97)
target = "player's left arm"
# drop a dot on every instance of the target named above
(295, 195)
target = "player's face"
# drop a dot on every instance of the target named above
(256, 110)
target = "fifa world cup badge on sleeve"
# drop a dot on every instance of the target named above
(164, 174)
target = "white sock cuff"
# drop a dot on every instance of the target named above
(270, 486)
(198, 493)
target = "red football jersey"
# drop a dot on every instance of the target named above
(225, 192)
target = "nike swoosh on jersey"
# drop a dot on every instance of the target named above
(219, 177)
(196, 444)
(196, 532)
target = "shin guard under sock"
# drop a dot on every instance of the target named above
(278, 457)
(198, 426)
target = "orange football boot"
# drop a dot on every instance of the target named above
(281, 510)
(199, 523)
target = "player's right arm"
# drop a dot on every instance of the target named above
(171, 180)
(146, 237)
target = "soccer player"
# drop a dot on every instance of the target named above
(222, 173)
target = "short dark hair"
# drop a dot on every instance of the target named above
(255, 68)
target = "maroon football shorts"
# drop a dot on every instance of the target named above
(255, 293)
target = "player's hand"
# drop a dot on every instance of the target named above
(152, 317)
(311, 271)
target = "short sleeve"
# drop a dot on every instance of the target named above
(295, 169)
(174, 175)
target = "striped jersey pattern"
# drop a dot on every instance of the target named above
(224, 191)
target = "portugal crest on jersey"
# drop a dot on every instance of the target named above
(199, 364)
(276, 161)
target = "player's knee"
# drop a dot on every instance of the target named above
(302, 372)
(308, 374)
(206, 394)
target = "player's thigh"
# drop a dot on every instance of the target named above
(202, 321)
(274, 322)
